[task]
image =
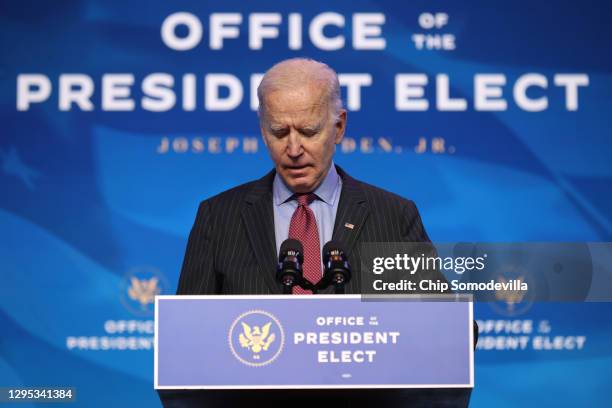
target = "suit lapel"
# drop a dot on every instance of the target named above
(352, 213)
(258, 218)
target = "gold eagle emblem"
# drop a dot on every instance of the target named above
(144, 290)
(257, 338)
(511, 297)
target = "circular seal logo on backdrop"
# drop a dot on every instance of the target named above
(511, 302)
(139, 287)
(256, 338)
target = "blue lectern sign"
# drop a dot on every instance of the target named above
(224, 342)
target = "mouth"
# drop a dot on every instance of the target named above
(296, 171)
(296, 167)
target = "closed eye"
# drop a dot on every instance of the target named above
(279, 132)
(308, 132)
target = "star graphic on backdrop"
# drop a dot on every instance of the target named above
(12, 165)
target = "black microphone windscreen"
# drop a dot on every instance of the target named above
(332, 246)
(291, 245)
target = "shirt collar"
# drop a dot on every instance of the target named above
(326, 191)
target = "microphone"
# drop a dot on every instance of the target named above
(289, 270)
(336, 267)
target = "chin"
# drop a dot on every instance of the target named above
(301, 183)
(300, 186)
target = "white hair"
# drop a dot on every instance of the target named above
(291, 72)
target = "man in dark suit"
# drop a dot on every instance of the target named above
(301, 120)
(233, 246)
(237, 227)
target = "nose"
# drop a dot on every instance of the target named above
(294, 145)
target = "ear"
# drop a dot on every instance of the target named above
(262, 127)
(262, 124)
(263, 134)
(340, 126)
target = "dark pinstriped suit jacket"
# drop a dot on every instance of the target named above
(232, 248)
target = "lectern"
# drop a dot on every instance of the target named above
(335, 350)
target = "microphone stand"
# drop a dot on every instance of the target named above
(339, 288)
(305, 284)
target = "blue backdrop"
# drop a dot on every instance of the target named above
(101, 173)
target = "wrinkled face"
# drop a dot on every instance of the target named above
(301, 135)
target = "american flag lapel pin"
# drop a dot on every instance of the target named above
(349, 225)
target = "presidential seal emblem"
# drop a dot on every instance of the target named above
(139, 287)
(514, 301)
(256, 338)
